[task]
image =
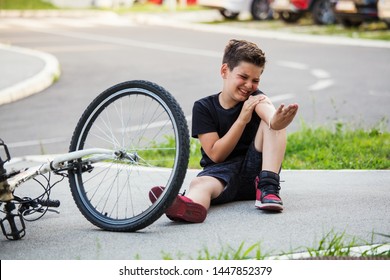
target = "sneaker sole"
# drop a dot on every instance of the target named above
(182, 210)
(269, 206)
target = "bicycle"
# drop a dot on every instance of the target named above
(131, 137)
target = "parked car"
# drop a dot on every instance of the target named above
(352, 13)
(384, 11)
(291, 11)
(230, 9)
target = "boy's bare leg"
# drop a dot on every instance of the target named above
(272, 144)
(271, 140)
(203, 189)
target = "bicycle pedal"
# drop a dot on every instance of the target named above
(13, 226)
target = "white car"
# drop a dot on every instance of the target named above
(230, 9)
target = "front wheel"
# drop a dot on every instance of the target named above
(261, 10)
(136, 118)
(323, 13)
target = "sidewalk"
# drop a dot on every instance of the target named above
(25, 72)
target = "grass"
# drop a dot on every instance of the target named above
(25, 5)
(339, 245)
(226, 253)
(338, 148)
(334, 245)
(137, 7)
(324, 147)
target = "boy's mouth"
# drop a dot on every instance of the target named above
(244, 92)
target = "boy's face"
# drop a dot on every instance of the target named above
(242, 81)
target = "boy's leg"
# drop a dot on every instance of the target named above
(213, 185)
(272, 144)
(205, 188)
(192, 207)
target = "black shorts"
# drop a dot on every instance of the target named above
(238, 175)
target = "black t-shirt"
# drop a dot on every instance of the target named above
(209, 116)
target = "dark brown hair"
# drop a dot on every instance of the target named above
(237, 51)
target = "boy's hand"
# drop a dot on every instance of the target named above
(283, 116)
(248, 107)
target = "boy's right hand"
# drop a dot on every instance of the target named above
(248, 107)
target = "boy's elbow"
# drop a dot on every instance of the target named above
(217, 159)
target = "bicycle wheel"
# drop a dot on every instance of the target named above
(138, 118)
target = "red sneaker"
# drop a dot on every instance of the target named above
(182, 209)
(267, 198)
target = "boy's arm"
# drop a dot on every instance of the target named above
(218, 149)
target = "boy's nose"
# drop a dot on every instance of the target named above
(249, 85)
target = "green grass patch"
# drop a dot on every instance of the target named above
(335, 245)
(329, 148)
(25, 5)
(160, 154)
(338, 148)
(340, 245)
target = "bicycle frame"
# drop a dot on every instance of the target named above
(57, 164)
(13, 225)
(60, 163)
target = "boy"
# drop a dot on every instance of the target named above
(242, 137)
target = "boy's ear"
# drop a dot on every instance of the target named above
(224, 70)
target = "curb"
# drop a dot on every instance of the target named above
(40, 81)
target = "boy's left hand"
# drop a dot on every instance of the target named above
(283, 116)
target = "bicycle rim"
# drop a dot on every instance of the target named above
(143, 119)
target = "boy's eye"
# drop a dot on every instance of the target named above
(256, 81)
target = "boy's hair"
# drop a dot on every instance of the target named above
(237, 51)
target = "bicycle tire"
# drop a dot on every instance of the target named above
(144, 118)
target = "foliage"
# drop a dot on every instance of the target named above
(25, 4)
